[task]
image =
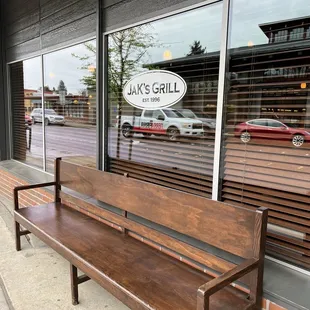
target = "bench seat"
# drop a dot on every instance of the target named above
(114, 259)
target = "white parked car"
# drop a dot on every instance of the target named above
(50, 117)
(167, 121)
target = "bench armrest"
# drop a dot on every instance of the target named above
(26, 187)
(213, 286)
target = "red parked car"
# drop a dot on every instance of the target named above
(271, 129)
(28, 120)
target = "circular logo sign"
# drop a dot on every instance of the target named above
(154, 89)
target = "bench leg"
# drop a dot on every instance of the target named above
(74, 285)
(17, 236)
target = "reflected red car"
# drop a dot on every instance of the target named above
(28, 120)
(271, 129)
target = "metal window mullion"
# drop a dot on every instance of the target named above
(105, 109)
(43, 115)
(99, 88)
(220, 101)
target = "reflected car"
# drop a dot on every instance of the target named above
(209, 123)
(50, 117)
(271, 129)
(28, 120)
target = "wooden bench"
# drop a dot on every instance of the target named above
(140, 275)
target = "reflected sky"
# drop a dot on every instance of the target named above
(32, 73)
(247, 15)
(178, 32)
(59, 65)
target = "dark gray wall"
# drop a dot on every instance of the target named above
(3, 132)
(118, 13)
(34, 26)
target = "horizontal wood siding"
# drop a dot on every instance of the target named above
(84, 28)
(271, 172)
(36, 26)
(121, 13)
(3, 152)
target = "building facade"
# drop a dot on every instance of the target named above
(240, 134)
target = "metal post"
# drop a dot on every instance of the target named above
(99, 88)
(220, 100)
(43, 115)
(105, 108)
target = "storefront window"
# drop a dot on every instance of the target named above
(167, 143)
(26, 95)
(266, 147)
(70, 104)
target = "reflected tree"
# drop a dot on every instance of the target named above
(196, 49)
(127, 49)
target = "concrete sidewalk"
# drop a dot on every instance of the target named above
(3, 302)
(37, 278)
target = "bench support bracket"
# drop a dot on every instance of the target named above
(75, 281)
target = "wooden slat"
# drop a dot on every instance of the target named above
(181, 174)
(274, 186)
(274, 220)
(66, 15)
(291, 205)
(205, 193)
(222, 226)
(23, 35)
(288, 253)
(185, 181)
(180, 247)
(82, 28)
(290, 197)
(280, 242)
(26, 49)
(300, 243)
(255, 200)
(31, 18)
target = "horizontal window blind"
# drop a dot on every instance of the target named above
(187, 163)
(25, 95)
(271, 81)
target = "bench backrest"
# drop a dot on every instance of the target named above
(232, 229)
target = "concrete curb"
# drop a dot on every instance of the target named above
(6, 295)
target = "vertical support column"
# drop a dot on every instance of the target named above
(256, 281)
(17, 225)
(43, 114)
(4, 123)
(74, 285)
(57, 179)
(105, 109)
(100, 102)
(220, 101)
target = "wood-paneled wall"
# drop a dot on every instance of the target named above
(120, 13)
(3, 140)
(32, 26)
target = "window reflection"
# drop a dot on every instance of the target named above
(70, 104)
(26, 94)
(267, 130)
(171, 146)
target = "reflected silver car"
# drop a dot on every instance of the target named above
(50, 117)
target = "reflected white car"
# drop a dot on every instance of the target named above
(50, 117)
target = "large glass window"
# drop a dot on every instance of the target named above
(70, 104)
(173, 146)
(26, 97)
(266, 152)
(69, 113)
